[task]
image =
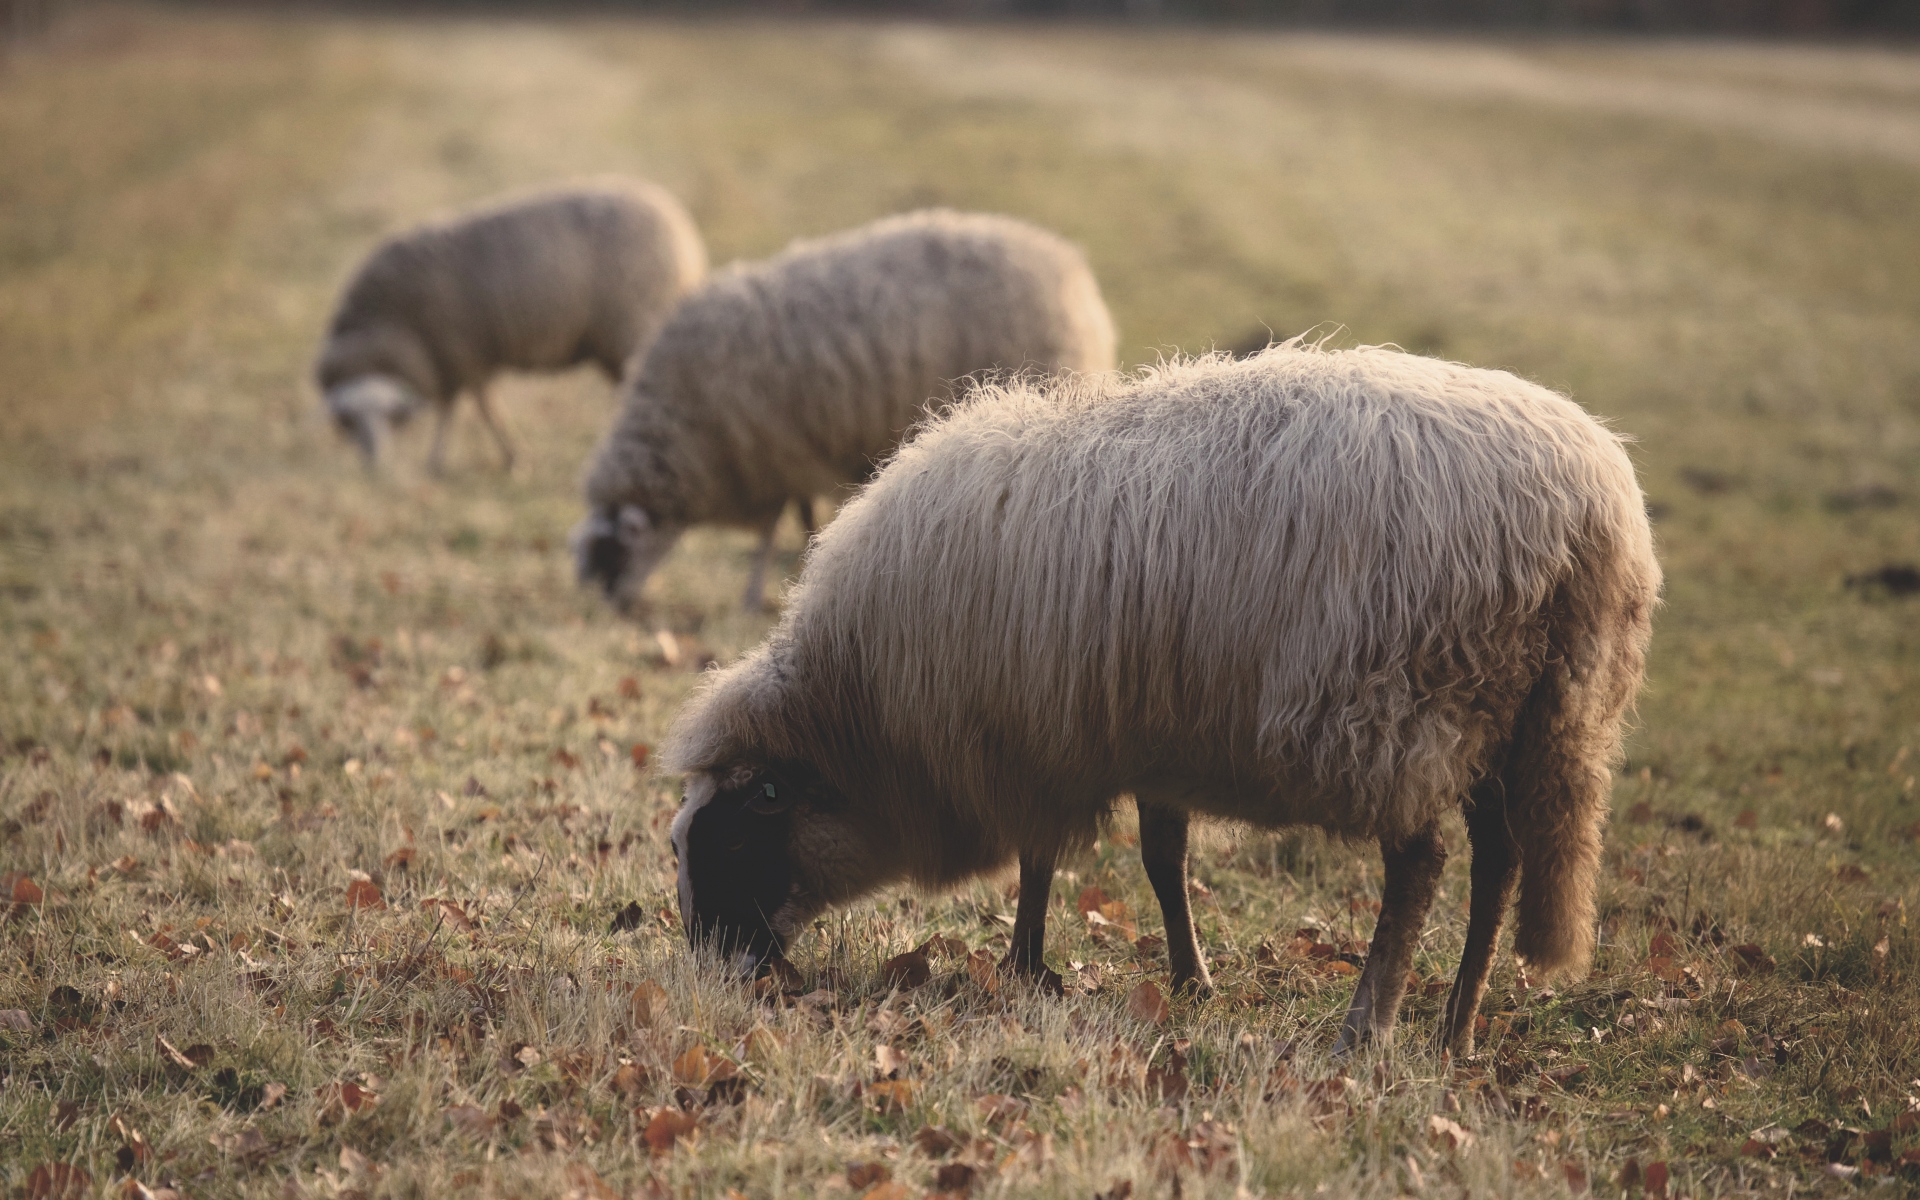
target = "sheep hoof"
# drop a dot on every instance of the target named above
(1193, 987)
(1039, 975)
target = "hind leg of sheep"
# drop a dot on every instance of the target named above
(807, 521)
(1163, 851)
(1412, 875)
(1027, 955)
(437, 453)
(757, 574)
(1495, 864)
(484, 401)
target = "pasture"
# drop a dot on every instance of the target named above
(332, 865)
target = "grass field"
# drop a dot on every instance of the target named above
(318, 792)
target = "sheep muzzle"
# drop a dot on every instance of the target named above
(736, 875)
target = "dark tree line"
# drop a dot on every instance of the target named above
(1780, 16)
(1773, 17)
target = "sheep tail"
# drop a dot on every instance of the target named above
(1558, 774)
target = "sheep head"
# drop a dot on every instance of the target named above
(365, 409)
(619, 547)
(762, 849)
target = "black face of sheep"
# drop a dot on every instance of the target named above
(617, 549)
(731, 841)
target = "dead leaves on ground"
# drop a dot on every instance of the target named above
(365, 893)
(58, 1181)
(1312, 954)
(344, 1098)
(193, 1057)
(1146, 1004)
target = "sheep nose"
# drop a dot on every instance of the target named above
(606, 559)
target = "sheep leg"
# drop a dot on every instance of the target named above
(485, 403)
(807, 521)
(757, 574)
(1495, 865)
(1027, 955)
(437, 453)
(1412, 875)
(1163, 851)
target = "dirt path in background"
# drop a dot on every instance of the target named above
(1774, 106)
(1782, 98)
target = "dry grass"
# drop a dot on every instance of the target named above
(237, 672)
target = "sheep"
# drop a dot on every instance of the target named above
(791, 377)
(542, 281)
(1349, 589)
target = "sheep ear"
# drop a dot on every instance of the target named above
(773, 798)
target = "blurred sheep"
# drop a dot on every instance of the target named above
(539, 282)
(785, 379)
(1357, 590)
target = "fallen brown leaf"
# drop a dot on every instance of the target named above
(985, 971)
(891, 1096)
(364, 893)
(451, 913)
(760, 1046)
(584, 1184)
(1751, 959)
(19, 887)
(58, 1181)
(343, 1099)
(667, 1126)
(1146, 1003)
(942, 946)
(997, 1109)
(935, 1141)
(887, 1060)
(1447, 1133)
(695, 1067)
(863, 1175)
(172, 1053)
(649, 1003)
(906, 971)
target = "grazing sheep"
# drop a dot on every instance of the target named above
(538, 283)
(792, 377)
(1352, 589)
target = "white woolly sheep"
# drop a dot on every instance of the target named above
(1353, 589)
(792, 377)
(540, 282)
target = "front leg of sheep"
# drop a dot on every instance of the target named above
(1163, 851)
(483, 400)
(1027, 955)
(757, 575)
(1412, 876)
(437, 453)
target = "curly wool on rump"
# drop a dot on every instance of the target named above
(537, 282)
(1330, 588)
(791, 378)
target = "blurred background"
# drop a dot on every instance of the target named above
(1700, 218)
(1777, 16)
